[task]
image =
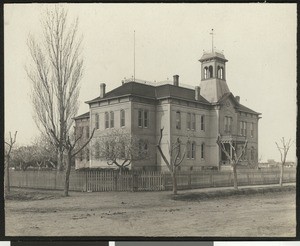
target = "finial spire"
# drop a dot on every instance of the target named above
(134, 55)
(212, 40)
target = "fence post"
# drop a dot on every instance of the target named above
(190, 180)
(86, 180)
(134, 181)
(210, 180)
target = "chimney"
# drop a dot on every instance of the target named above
(102, 90)
(176, 80)
(197, 93)
(237, 98)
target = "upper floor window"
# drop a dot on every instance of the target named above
(202, 122)
(143, 118)
(97, 121)
(140, 118)
(220, 72)
(205, 72)
(243, 128)
(228, 124)
(252, 129)
(193, 126)
(122, 117)
(146, 118)
(106, 118)
(87, 132)
(211, 72)
(178, 120)
(188, 121)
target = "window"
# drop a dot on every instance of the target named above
(202, 122)
(79, 131)
(243, 128)
(193, 122)
(252, 129)
(140, 118)
(227, 124)
(97, 151)
(205, 73)
(112, 119)
(202, 150)
(179, 150)
(211, 70)
(97, 121)
(123, 151)
(106, 120)
(80, 155)
(188, 150)
(87, 131)
(252, 154)
(146, 118)
(188, 121)
(178, 120)
(193, 150)
(87, 154)
(122, 117)
(220, 72)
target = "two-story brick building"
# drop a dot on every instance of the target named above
(197, 116)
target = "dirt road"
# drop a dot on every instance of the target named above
(152, 214)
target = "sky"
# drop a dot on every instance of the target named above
(258, 40)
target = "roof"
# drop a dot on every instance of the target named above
(211, 55)
(239, 106)
(150, 91)
(83, 116)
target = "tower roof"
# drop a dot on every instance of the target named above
(212, 55)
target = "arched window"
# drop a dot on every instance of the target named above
(221, 73)
(211, 70)
(193, 150)
(188, 150)
(205, 73)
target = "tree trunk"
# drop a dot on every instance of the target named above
(281, 175)
(60, 160)
(235, 182)
(6, 176)
(68, 171)
(174, 183)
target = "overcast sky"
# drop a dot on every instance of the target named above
(259, 40)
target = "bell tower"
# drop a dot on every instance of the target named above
(213, 74)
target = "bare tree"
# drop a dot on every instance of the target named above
(9, 144)
(234, 158)
(175, 159)
(283, 148)
(73, 148)
(119, 148)
(55, 73)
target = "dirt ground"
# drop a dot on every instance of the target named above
(47, 213)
